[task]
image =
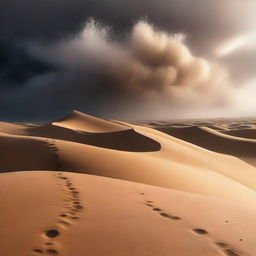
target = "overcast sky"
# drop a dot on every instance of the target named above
(54, 59)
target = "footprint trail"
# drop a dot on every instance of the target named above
(68, 216)
(226, 249)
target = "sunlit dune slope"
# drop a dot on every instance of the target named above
(58, 213)
(80, 121)
(162, 160)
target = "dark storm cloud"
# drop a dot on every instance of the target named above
(27, 80)
(17, 65)
(56, 18)
(148, 67)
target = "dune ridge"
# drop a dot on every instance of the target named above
(80, 121)
(248, 133)
(213, 140)
(130, 188)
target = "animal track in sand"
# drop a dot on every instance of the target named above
(66, 217)
(224, 247)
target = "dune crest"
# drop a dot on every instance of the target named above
(216, 141)
(80, 121)
(138, 153)
(249, 133)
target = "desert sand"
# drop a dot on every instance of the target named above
(82, 185)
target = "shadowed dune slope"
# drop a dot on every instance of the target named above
(126, 140)
(216, 141)
(89, 215)
(20, 152)
(174, 163)
(244, 133)
(148, 193)
(178, 165)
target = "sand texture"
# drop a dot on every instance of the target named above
(82, 185)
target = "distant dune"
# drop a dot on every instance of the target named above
(217, 141)
(104, 187)
(249, 133)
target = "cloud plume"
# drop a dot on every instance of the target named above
(148, 67)
(133, 70)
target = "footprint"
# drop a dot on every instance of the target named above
(220, 244)
(78, 207)
(74, 218)
(175, 218)
(66, 217)
(156, 209)
(166, 215)
(52, 233)
(38, 251)
(64, 222)
(200, 231)
(52, 252)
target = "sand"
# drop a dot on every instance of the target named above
(88, 186)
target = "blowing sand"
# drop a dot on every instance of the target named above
(88, 186)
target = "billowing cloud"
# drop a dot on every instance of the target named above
(124, 72)
(148, 67)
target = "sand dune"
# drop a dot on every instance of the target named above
(18, 152)
(244, 133)
(126, 140)
(202, 201)
(216, 141)
(79, 121)
(176, 165)
(89, 215)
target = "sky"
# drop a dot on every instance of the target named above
(129, 60)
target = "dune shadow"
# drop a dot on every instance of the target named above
(126, 140)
